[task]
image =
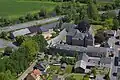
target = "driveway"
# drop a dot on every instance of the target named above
(5, 43)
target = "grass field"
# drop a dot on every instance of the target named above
(15, 8)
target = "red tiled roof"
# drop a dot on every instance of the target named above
(36, 72)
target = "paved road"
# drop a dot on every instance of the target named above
(5, 43)
(27, 71)
(116, 11)
(115, 47)
(28, 24)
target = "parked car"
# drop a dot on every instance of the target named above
(114, 74)
(116, 61)
(117, 43)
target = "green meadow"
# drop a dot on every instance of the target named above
(16, 8)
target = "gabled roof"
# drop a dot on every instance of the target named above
(21, 32)
(80, 36)
(112, 32)
(44, 29)
(81, 64)
(67, 26)
(70, 47)
(34, 29)
(105, 60)
(72, 32)
(83, 57)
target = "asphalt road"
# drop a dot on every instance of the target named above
(116, 11)
(115, 47)
(27, 71)
(29, 24)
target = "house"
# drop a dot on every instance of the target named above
(19, 33)
(81, 64)
(85, 63)
(63, 66)
(34, 30)
(98, 51)
(110, 33)
(42, 66)
(34, 75)
(79, 35)
(105, 62)
(70, 50)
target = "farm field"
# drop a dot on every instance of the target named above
(15, 8)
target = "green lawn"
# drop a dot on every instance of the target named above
(15, 8)
(96, 27)
(78, 76)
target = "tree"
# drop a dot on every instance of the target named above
(3, 35)
(70, 78)
(43, 13)
(31, 46)
(93, 71)
(106, 77)
(42, 43)
(20, 39)
(101, 37)
(36, 16)
(115, 24)
(92, 11)
(86, 77)
(8, 50)
(22, 19)
(109, 23)
(29, 17)
(58, 9)
(7, 75)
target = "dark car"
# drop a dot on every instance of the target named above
(114, 74)
(116, 61)
(117, 43)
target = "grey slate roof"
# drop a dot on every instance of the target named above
(105, 60)
(34, 29)
(93, 49)
(80, 36)
(112, 32)
(72, 32)
(83, 57)
(70, 47)
(67, 26)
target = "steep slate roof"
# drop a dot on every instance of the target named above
(72, 32)
(96, 49)
(34, 29)
(81, 64)
(80, 36)
(110, 32)
(105, 60)
(21, 32)
(44, 29)
(83, 57)
(67, 26)
(70, 47)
